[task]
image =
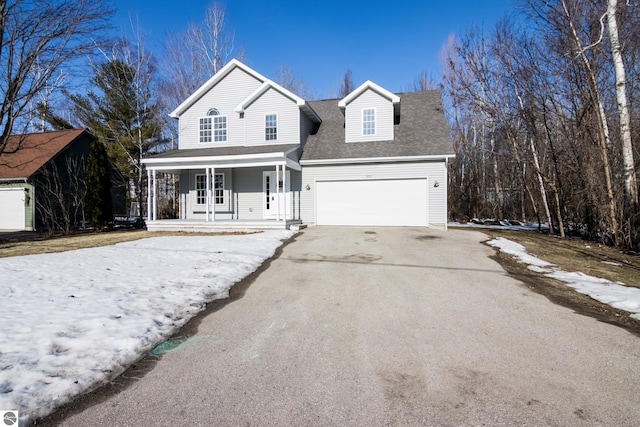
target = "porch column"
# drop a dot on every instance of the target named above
(155, 195)
(213, 194)
(148, 196)
(277, 185)
(207, 210)
(284, 192)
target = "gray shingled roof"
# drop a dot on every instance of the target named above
(422, 131)
(223, 151)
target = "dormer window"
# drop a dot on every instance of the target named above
(368, 121)
(213, 128)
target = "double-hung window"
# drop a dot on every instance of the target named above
(271, 127)
(369, 121)
(218, 189)
(213, 128)
(201, 189)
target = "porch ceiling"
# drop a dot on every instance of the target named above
(174, 164)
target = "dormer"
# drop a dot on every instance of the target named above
(370, 112)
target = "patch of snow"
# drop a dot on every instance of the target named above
(518, 251)
(615, 294)
(617, 264)
(72, 321)
(493, 224)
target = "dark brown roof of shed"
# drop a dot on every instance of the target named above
(25, 154)
(421, 131)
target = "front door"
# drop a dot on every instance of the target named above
(274, 197)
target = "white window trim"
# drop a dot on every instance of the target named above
(213, 128)
(222, 195)
(211, 114)
(265, 126)
(210, 118)
(201, 189)
(375, 122)
(213, 183)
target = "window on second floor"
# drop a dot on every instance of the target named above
(271, 127)
(213, 128)
(369, 121)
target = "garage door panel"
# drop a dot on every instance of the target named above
(12, 214)
(400, 202)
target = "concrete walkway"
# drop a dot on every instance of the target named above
(384, 326)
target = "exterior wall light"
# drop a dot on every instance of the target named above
(307, 187)
(436, 184)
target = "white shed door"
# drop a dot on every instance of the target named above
(12, 209)
(392, 202)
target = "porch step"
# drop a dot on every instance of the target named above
(221, 225)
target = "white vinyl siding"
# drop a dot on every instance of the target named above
(432, 171)
(225, 97)
(249, 192)
(384, 118)
(272, 102)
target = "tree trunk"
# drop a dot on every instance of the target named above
(630, 182)
(543, 193)
(603, 125)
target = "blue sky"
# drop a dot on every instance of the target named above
(388, 42)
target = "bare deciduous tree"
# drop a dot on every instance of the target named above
(285, 78)
(38, 38)
(192, 56)
(423, 82)
(61, 191)
(542, 106)
(631, 183)
(346, 86)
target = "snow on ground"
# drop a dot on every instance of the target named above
(71, 321)
(490, 223)
(615, 294)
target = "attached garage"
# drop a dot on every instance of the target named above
(374, 202)
(12, 210)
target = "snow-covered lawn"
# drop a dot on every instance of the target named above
(73, 320)
(615, 294)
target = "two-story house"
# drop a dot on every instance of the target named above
(253, 154)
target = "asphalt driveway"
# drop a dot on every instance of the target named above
(382, 326)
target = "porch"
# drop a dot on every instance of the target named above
(228, 188)
(200, 226)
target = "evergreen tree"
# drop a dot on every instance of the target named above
(122, 113)
(97, 199)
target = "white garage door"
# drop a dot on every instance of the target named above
(393, 202)
(12, 209)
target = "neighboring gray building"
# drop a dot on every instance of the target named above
(254, 153)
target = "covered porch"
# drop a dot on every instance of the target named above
(221, 191)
